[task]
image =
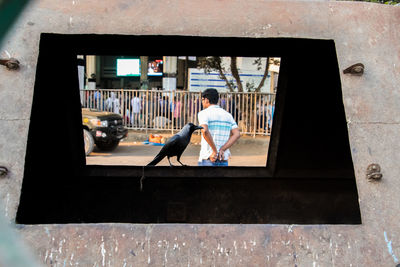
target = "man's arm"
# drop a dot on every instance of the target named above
(235, 135)
(207, 136)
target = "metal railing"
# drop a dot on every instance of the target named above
(171, 110)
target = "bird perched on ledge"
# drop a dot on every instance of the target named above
(176, 145)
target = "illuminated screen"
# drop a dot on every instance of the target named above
(128, 67)
(155, 68)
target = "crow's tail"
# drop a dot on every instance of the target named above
(156, 160)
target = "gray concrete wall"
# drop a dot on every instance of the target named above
(362, 32)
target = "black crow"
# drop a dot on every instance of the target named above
(176, 145)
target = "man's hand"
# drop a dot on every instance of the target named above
(221, 154)
(213, 157)
(235, 135)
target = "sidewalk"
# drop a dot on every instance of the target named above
(248, 151)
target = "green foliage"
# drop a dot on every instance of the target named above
(250, 87)
(214, 64)
(210, 64)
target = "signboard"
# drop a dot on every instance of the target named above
(199, 80)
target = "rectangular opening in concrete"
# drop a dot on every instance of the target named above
(308, 178)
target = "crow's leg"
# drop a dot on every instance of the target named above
(182, 163)
(179, 160)
(170, 162)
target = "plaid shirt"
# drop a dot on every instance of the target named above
(220, 123)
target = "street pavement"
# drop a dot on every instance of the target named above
(248, 151)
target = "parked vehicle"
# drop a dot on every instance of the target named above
(103, 129)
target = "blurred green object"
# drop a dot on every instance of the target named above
(9, 11)
(13, 252)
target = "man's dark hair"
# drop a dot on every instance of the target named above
(211, 94)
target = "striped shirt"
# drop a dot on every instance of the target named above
(220, 123)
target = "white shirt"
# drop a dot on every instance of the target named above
(220, 123)
(136, 106)
(112, 104)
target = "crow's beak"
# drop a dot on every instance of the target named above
(198, 128)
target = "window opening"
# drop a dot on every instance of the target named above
(308, 178)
